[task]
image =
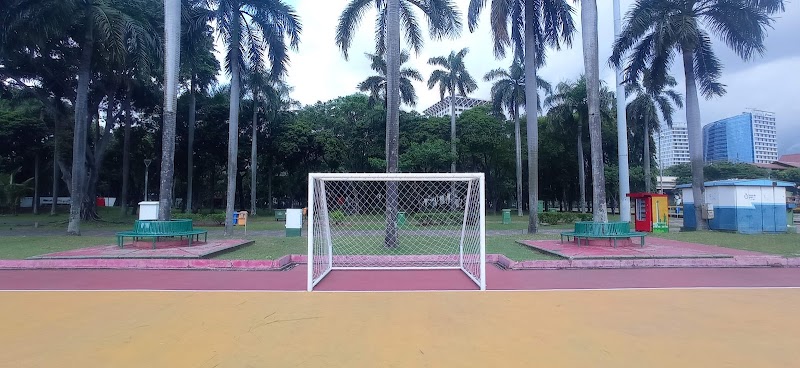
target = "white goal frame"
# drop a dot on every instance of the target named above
(322, 263)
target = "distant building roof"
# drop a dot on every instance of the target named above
(770, 166)
(794, 157)
(744, 183)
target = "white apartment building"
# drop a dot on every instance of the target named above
(672, 145)
(442, 108)
(765, 144)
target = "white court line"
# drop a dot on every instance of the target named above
(394, 291)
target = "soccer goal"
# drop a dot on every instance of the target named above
(396, 221)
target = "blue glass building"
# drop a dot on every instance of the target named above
(729, 139)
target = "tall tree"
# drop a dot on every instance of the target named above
(376, 84)
(202, 68)
(508, 93)
(452, 78)
(656, 30)
(250, 29)
(569, 108)
(529, 27)
(172, 62)
(443, 21)
(648, 101)
(591, 64)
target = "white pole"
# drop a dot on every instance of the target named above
(310, 260)
(482, 214)
(622, 133)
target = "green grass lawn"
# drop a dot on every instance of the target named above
(20, 247)
(782, 244)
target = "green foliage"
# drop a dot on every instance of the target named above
(719, 171)
(336, 217)
(792, 175)
(201, 218)
(12, 192)
(554, 218)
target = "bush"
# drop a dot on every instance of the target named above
(216, 218)
(554, 218)
(337, 217)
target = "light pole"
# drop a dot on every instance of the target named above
(622, 133)
(147, 162)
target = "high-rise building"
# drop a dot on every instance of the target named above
(442, 108)
(672, 145)
(749, 137)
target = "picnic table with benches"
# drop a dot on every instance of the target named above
(602, 230)
(162, 229)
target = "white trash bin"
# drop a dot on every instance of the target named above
(294, 222)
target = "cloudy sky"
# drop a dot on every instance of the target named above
(318, 71)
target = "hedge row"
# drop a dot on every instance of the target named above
(202, 219)
(553, 218)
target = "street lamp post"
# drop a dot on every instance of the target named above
(147, 162)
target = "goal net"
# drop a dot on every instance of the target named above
(396, 221)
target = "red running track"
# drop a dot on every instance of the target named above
(295, 279)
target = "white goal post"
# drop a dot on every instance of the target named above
(396, 221)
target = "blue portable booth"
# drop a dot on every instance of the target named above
(751, 206)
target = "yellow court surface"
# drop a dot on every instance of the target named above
(603, 328)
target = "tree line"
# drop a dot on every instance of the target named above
(97, 69)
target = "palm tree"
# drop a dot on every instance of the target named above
(172, 62)
(443, 21)
(591, 64)
(202, 67)
(549, 24)
(89, 25)
(649, 100)
(452, 78)
(251, 28)
(656, 30)
(376, 84)
(569, 106)
(508, 92)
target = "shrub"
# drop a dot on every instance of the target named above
(337, 217)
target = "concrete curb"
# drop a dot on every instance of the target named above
(294, 259)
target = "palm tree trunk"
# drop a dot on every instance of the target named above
(646, 156)
(126, 151)
(518, 146)
(80, 131)
(172, 37)
(531, 100)
(269, 187)
(695, 138)
(453, 151)
(36, 184)
(592, 65)
(392, 117)
(581, 171)
(254, 157)
(56, 171)
(233, 122)
(190, 149)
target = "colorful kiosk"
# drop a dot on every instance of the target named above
(652, 212)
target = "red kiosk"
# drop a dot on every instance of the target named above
(652, 212)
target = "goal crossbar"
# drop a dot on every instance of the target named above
(409, 221)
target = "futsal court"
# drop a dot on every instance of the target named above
(596, 318)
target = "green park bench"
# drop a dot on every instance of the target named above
(602, 230)
(162, 229)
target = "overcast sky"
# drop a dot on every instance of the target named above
(318, 71)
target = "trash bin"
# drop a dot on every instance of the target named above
(241, 219)
(506, 216)
(294, 222)
(401, 219)
(235, 218)
(280, 215)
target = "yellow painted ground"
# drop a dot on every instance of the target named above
(651, 328)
